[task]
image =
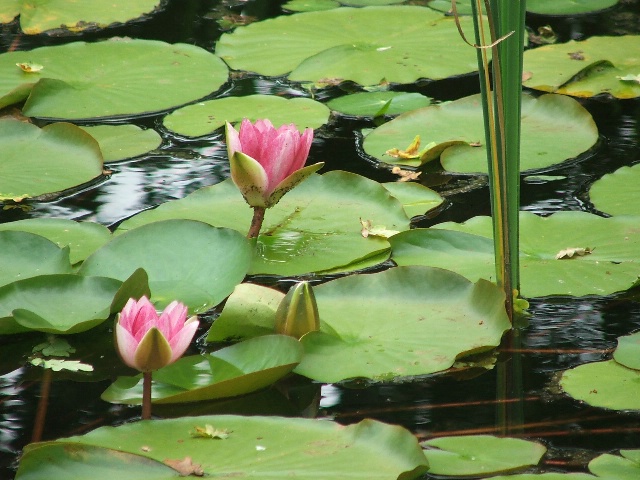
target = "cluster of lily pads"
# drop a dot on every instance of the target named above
(63, 277)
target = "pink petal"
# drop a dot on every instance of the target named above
(180, 342)
(126, 345)
(172, 319)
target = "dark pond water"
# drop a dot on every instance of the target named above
(563, 332)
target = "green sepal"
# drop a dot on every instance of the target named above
(297, 313)
(250, 178)
(153, 352)
(291, 181)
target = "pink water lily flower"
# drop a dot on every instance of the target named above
(146, 341)
(267, 162)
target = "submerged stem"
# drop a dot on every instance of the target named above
(146, 395)
(256, 222)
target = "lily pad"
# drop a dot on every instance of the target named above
(404, 321)
(314, 228)
(248, 312)
(545, 476)
(37, 161)
(309, 5)
(604, 384)
(463, 8)
(617, 193)
(373, 104)
(236, 370)
(62, 303)
(584, 69)
(625, 466)
(612, 266)
(574, 7)
(25, 255)
(82, 238)
(38, 17)
(417, 43)
(205, 117)
(185, 260)
(471, 455)
(113, 78)
(256, 448)
(628, 351)
(416, 199)
(457, 130)
(121, 142)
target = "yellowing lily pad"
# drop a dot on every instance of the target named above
(40, 16)
(585, 69)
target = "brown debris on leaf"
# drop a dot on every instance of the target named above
(568, 253)
(405, 175)
(185, 467)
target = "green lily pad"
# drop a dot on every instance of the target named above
(463, 8)
(625, 466)
(604, 384)
(40, 16)
(113, 78)
(617, 193)
(416, 199)
(61, 303)
(205, 117)
(457, 130)
(628, 351)
(25, 255)
(471, 455)
(373, 104)
(351, 46)
(612, 266)
(236, 370)
(50, 460)
(545, 476)
(404, 321)
(309, 5)
(185, 260)
(248, 312)
(314, 228)
(9, 9)
(256, 448)
(587, 68)
(38, 161)
(555, 7)
(121, 142)
(82, 238)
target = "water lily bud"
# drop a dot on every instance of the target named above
(297, 314)
(146, 341)
(267, 162)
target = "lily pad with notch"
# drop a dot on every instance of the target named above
(185, 260)
(314, 228)
(43, 161)
(612, 264)
(122, 142)
(112, 78)
(456, 130)
(416, 43)
(375, 104)
(617, 193)
(257, 448)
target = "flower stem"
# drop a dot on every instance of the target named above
(256, 222)
(146, 395)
